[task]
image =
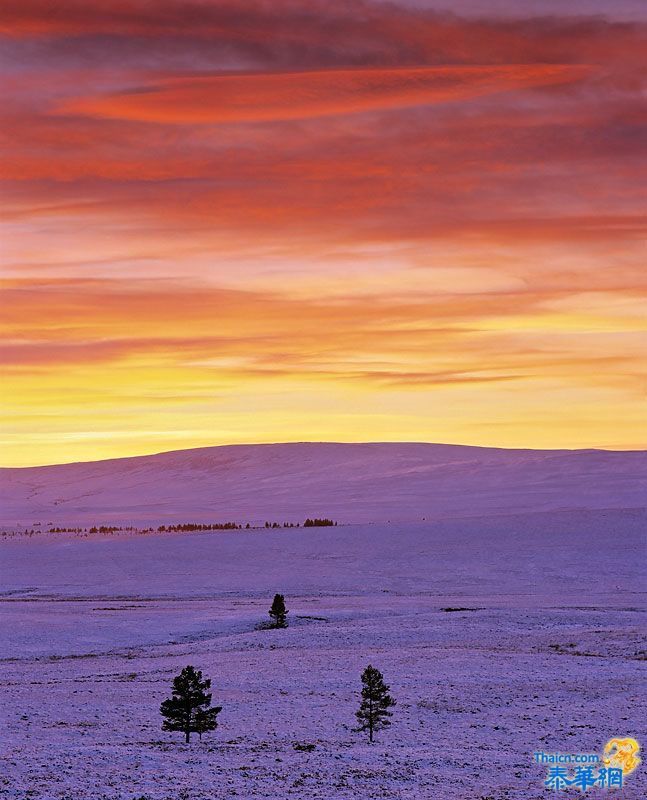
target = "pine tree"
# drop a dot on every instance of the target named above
(188, 710)
(373, 713)
(278, 612)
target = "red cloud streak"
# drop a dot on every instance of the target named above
(295, 95)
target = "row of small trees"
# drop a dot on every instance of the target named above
(188, 527)
(189, 708)
(309, 523)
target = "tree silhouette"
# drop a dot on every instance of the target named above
(279, 612)
(188, 710)
(202, 722)
(373, 713)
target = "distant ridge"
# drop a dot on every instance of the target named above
(350, 482)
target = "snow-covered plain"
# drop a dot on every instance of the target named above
(551, 657)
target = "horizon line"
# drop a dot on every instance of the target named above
(330, 442)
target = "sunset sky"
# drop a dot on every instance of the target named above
(322, 220)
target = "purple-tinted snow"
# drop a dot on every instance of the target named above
(350, 482)
(551, 657)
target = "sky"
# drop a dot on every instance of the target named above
(229, 222)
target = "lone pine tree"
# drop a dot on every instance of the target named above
(373, 713)
(279, 612)
(189, 710)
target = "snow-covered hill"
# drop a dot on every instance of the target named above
(349, 482)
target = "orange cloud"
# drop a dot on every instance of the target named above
(468, 264)
(298, 95)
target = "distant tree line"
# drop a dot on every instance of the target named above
(106, 529)
(66, 530)
(188, 527)
(309, 523)
(200, 526)
(282, 524)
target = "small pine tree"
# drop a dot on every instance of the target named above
(279, 612)
(373, 713)
(188, 710)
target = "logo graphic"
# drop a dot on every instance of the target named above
(622, 753)
(619, 759)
